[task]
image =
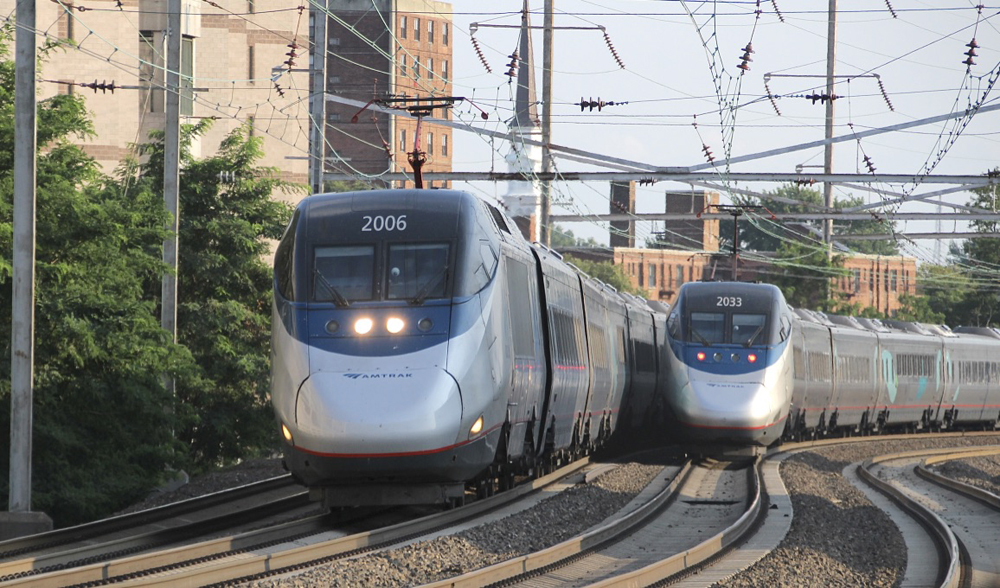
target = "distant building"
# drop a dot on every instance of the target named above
(234, 60)
(387, 49)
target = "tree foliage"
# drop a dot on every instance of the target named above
(101, 435)
(761, 234)
(804, 274)
(607, 272)
(227, 217)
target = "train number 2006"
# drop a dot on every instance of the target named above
(728, 301)
(384, 223)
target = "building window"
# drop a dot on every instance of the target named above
(652, 276)
(892, 279)
(430, 31)
(331, 82)
(402, 66)
(444, 144)
(680, 275)
(857, 280)
(187, 77)
(430, 143)
(430, 67)
(402, 139)
(416, 29)
(444, 70)
(333, 117)
(444, 33)
(402, 26)
(416, 68)
(333, 41)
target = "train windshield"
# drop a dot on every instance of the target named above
(710, 328)
(344, 274)
(416, 272)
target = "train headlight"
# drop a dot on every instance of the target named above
(425, 324)
(477, 427)
(717, 356)
(286, 433)
(394, 325)
(701, 356)
(752, 358)
(332, 327)
(363, 326)
(736, 357)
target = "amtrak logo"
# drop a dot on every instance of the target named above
(377, 376)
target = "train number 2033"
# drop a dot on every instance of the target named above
(728, 301)
(384, 223)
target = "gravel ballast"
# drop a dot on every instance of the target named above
(838, 537)
(551, 521)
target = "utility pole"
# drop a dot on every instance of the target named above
(20, 520)
(22, 359)
(736, 211)
(317, 100)
(171, 172)
(547, 121)
(831, 61)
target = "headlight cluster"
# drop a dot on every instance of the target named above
(393, 325)
(751, 357)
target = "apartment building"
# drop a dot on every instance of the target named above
(395, 50)
(242, 60)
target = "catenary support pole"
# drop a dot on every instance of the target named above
(22, 359)
(171, 171)
(317, 99)
(546, 231)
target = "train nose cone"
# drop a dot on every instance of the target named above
(378, 412)
(725, 405)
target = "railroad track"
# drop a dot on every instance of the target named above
(274, 550)
(960, 545)
(172, 524)
(712, 501)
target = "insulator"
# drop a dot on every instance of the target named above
(972, 44)
(969, 61)
(614, 53)
(777, 11)
(479, 52)
(708, 153)
(747, 50)
(770, 96)
(885, 95)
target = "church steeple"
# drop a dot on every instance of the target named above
(525, 100)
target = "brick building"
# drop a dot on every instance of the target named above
(229, 53)
(411, 57)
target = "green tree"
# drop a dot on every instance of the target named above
(102, 434)
(804, 273)
(565, 238)
(981, 305)
(607, 272)
(762, 234)
(228, 221)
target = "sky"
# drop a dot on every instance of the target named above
(684, 91)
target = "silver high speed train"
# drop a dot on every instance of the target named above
(420, 344)
(746, 369)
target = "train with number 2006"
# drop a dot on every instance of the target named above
(421, 346)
